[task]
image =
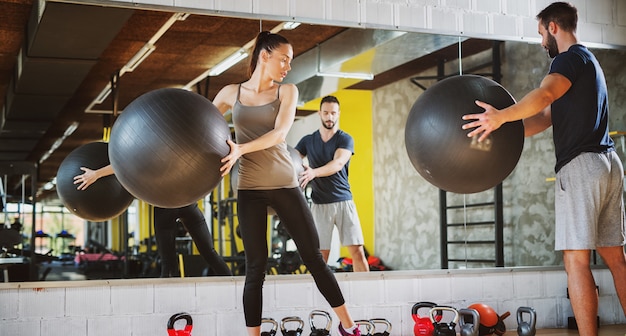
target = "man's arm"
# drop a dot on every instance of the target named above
(341, 157)
(552, 87)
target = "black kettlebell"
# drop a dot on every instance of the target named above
(320, 331)
(526, 328)
(369, 327)
(469, 327)
(271, 332)
(444, 328)
(379, 321)
(293, 332)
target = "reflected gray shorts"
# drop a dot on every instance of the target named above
(341, 214)
(589, 202)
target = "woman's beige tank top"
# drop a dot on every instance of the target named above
(270, 168)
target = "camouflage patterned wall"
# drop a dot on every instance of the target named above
(407, 206)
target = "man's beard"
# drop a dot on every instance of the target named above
(552, 47)
(326, 124)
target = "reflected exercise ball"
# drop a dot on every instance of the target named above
(104, 199)
(166, 147)
(440, 149)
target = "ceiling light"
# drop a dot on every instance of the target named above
(351, 75)
(289, 25)
(228, 62)
(68, 131)
(71, 128)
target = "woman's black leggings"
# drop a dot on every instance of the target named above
(165, 232)
(294, 213)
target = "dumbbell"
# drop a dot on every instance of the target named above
(271, 332)
(379, 321)
(526, 328)
(292, 332)
(319, 331)
(444, 328)
(469, 328)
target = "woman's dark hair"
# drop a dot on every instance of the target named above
(562, 13)
(264, 41)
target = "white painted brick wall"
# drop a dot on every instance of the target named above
(8, 304)
(505, 25)
(216, 306)
(199, 4)
(377, 13)
(234, 6)
(475, 23)
(510, 19)
(343, 11)
(518, 8)
(599, 11)
(308, 8)
(411, 16)
(489, 6)
(271, 7)
(620, 13)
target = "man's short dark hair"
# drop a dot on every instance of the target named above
(329, 99)
(564, 14)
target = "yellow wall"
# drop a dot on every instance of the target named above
(356, 120)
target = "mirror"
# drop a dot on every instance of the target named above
(399, 210)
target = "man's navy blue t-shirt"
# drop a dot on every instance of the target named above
(333, 188)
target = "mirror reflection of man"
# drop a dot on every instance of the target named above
(329, 150)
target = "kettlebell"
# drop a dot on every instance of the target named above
(369, 327)
(293, 332)
(319, 331)
(444, 328)
(469, 328)
(379, 321)
(423, 325)
(182, 332)
(271, 332)
(526, 328)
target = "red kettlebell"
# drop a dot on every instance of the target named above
(182, 332)
(423, 325)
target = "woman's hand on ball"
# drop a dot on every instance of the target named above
(484, 123)
(230, 159)
(86, 179)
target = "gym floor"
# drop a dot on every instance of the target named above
(605, 330)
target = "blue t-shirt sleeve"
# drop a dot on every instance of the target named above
(346, 142)
(301, 146)
(568, 65)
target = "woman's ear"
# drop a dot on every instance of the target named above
(264, 55)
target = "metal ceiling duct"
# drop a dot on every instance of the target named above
(63, 42)
(359, 51)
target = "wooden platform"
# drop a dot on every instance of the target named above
(605, 330)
